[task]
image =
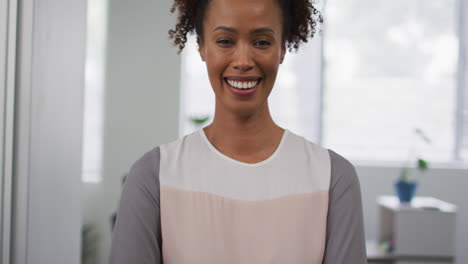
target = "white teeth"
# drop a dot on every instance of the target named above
(242, 84)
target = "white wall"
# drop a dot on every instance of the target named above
(48, 129)
(141, 99)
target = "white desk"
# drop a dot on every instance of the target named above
(422, 231)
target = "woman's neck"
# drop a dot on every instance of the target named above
(250, 138)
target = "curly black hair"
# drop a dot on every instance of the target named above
(300, 19)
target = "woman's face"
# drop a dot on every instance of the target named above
(242, 48)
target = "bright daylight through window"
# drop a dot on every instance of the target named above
(386, 69)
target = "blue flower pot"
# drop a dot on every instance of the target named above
(405, 190)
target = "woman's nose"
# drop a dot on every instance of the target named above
(243, 59)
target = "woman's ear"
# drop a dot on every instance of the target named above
(201, 48)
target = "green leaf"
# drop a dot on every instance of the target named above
(199, 121)
(422, 165)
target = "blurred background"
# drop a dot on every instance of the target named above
(87, 87)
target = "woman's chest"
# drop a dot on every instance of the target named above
(201, 227)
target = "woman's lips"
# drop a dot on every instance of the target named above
(243, 92)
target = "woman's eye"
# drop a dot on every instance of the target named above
(224, 42)
(262, 43)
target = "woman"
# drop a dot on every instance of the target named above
(243, 189)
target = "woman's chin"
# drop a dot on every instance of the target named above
(245, 108)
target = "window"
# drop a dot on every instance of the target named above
(390, 67)
(386, 69)
(94, 91)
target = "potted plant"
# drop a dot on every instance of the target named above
(406, 188)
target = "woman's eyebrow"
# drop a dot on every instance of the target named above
(262, 29)
(230, 29)
(257, 30)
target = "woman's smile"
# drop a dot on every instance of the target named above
(242, 86)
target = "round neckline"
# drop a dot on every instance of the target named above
(220, 154)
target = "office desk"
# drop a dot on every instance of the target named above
(422, 231)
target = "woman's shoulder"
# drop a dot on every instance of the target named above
(148, 160)
(340, 162)
(152, 155)
(343, 172)
(300, 142)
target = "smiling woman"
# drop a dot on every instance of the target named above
(242, 42)
(242, 189)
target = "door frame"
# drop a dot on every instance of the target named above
(8, 18)
(41, 167)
